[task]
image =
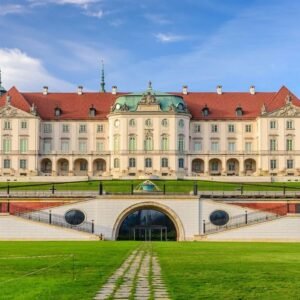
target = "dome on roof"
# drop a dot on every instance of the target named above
(166, 102)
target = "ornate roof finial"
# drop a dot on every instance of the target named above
(102, 79)
(149, 85)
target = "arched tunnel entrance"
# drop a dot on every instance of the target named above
(147, 224)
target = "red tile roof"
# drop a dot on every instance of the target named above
(76, 107)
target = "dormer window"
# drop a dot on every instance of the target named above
(239, 111)
(57, 111)
(92, 111)
(205, 111)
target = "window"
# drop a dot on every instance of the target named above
(132, 163)
(65, 128)
(231, 166)
(23, 145)
(215, 166)
(117, 123)
(132, 143)
(181, 123)
(164, 143)
(148, 143)
(231, 128)
(248, 128)
(197, 128)
(273, 124)
(148, 122)
(64, 146)
(82, 146)
(231, 146)
(148, 163)
(214, 128)
(6, 145)
(99, 145)
(180, 163)
(23, 164)
(23, 124)
(47, 146)
(290, 164)
(6, 163)
(47, 128)
(164, 123)
(273, 145)
(100, 128)
(116, 142)
(289, 145)
(180, 142)
(132, 123)
(197, 146)
(83, 165)
(82, 128)
(273, 164)
(214, 146)
(164, 162)
(7, 125)
(248, 147)
(116, 163)
(289, 124)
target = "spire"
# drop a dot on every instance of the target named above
(102, 79)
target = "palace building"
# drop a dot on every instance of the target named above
(160, 135)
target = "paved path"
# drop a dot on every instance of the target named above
(138, 278)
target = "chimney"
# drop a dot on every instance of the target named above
(185, 90)
(219, 90)
(45, 90)
(114, 90)
(252, 90)
(80, 90)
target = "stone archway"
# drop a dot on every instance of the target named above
(198, 166)
(99, 166)
(63, 167)
(80, 167)
(232, 166)
(215, 166)
(154, 206)
(249, 166)
(46, 166)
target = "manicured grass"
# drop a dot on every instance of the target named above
(94, 262)
(230, 270)
(172, 186)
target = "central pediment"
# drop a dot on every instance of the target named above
(289, 110)
(9, 111)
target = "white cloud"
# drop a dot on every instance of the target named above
(157, 19)
(11, 9)
(82, 3)
(169, 38)
(97, 14)
(27, 73)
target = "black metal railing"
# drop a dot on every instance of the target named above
(47, 217)
(247, 219)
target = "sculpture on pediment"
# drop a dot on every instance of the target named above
(172, 107)
(8, 112)
(148, 98)
(33, 109)
(288, 99)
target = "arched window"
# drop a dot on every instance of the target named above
(148, 143)
(116, 163)
(164, 123)
(148, 122)
(148, 163)
(132, 123)
(116, 142)
(164, 162)
(132, 143)
(181, 142)
(164, 142)
(181, 123)
(131, 163)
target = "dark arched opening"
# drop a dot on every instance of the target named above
(147, 225)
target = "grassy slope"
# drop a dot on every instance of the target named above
(94, 262)
(184, 186)
(230, 270)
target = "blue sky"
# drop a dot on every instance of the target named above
(200, 43)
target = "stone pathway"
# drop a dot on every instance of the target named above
(138, 278)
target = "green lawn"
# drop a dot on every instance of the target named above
(192, 270)
(231, 270)
(94, 262)
(172, 186)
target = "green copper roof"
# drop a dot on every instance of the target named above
(166, 101)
